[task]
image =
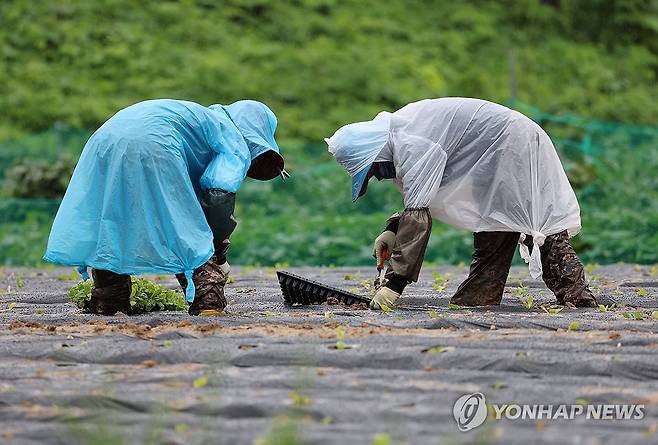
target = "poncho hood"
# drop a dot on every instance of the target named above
(257, 123)
(356, 146)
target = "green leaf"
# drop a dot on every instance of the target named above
(381, 439)
(181, 428)
(573, 326)
(200, 382)
(439, 349)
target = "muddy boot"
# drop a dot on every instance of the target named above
(563, 272)
(209, 281)
(111, 293)
(492, 259)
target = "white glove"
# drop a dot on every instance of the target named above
(384, 299)
(386, 239)
(225, 268)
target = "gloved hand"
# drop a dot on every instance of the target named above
(384, 299)
(225, 268)
(386, 239)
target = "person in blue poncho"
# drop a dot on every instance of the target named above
(154, 191)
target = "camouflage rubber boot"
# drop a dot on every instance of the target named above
(492, 259)
(563, 272)
(209, 281)
(111, 293)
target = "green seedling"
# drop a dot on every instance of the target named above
(39, 311)
(298, 399)
(637, 315)
(200, 382)
(230, 280)
(641, 292)
(269, 313)
(637, 268)
(353, 276)
(19, 281)
(340, 345)
(589, 268)
(328, 315)
(11, 306)
(654, 314)
(440, 281)
(528, 302)
(327, 420)
(439, 349)
(340, 332)
(433, 314)
(606, 308)
(461, 265)
(385, 309)
(366, 284)
(573, 326)
(454, 307)
(522, 289)
(355, 290)
(582, 402)
(381, 439)
(521, 354)
(653, 271)
(551, 310)
(181, 428)
(72, 276)
(498, 386)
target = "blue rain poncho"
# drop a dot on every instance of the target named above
(475, 164)
(132, 206)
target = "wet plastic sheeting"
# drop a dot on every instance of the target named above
(134, 383)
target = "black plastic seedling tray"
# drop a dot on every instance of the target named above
(302, 291)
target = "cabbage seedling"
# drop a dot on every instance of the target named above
(528, 302)
(440, 281)
(551, 310)
(146, 296)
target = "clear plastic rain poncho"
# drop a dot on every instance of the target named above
(477, 165)
(132, 206)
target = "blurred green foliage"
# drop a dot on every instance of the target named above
(39, 178)
(323, 63)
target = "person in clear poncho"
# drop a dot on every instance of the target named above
(478, 166)
(154, 192)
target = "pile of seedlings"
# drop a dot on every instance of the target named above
(146, 296)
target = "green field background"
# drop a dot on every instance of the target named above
(585, 70)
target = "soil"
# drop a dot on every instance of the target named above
(328, 374)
